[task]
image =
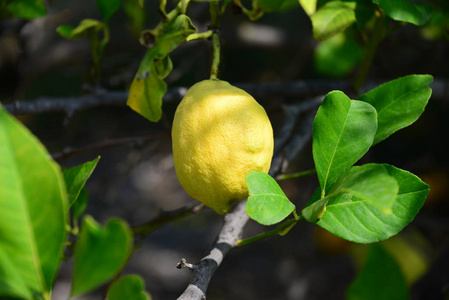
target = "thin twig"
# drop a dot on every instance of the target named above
(139, 140)
(165, 217)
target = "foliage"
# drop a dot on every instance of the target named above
(41, 204)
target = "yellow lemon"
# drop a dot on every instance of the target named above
(220, 133)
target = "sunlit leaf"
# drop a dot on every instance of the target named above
(399, 103)
(381, 278)
(99, 253)
(333, 18)
(371, 183)
(343, 131)
(405, 10)
(148, 88)
(309, 6)
(33, 210)
(267, 203)
(128, 287)
(359, 221)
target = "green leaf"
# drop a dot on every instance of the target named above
(371, 183)
(381, 278)
(332, 18)
(357, 220)
(128, 287)
(399, 103)
(315, 211)
(76, 177)
(309, 6)
(26, 9)
(108, 7)
(343, 131)
(405, 10)
(85, 27)
(100, 253)
(267, 203)
(148, 88)
(145, 95)
(80, 204)
(338, 56)
(33, 212)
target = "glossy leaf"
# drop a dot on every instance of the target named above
(148, 88)
(33, 212)
(405, 10)
(381, 278)
(332, 18)
(76, 177)
(26, 9)
(99, 253)
(399, 103)
(128, 287)
(357, 220)
(338, 56)
(343, 131)
(267, 203)
(108, 7)
(309, 6)
(371, 183)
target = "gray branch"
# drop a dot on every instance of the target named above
(294, 90)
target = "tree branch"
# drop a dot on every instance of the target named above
(294, 90)
(226, 240)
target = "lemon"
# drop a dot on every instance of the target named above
(220, 133)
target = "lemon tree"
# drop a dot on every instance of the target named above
(223, 146)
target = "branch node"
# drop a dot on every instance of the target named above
(183, 264)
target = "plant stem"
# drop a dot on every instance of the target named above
(373, 44)
(215, 56)
(277, 230)
(216, 47)
(199, 36)
(296, 175)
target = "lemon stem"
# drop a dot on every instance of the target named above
(216, 47)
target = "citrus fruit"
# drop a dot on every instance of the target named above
(220, 133)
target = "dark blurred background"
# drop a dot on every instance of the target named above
(135, 179)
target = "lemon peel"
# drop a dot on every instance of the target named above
(219, 134)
